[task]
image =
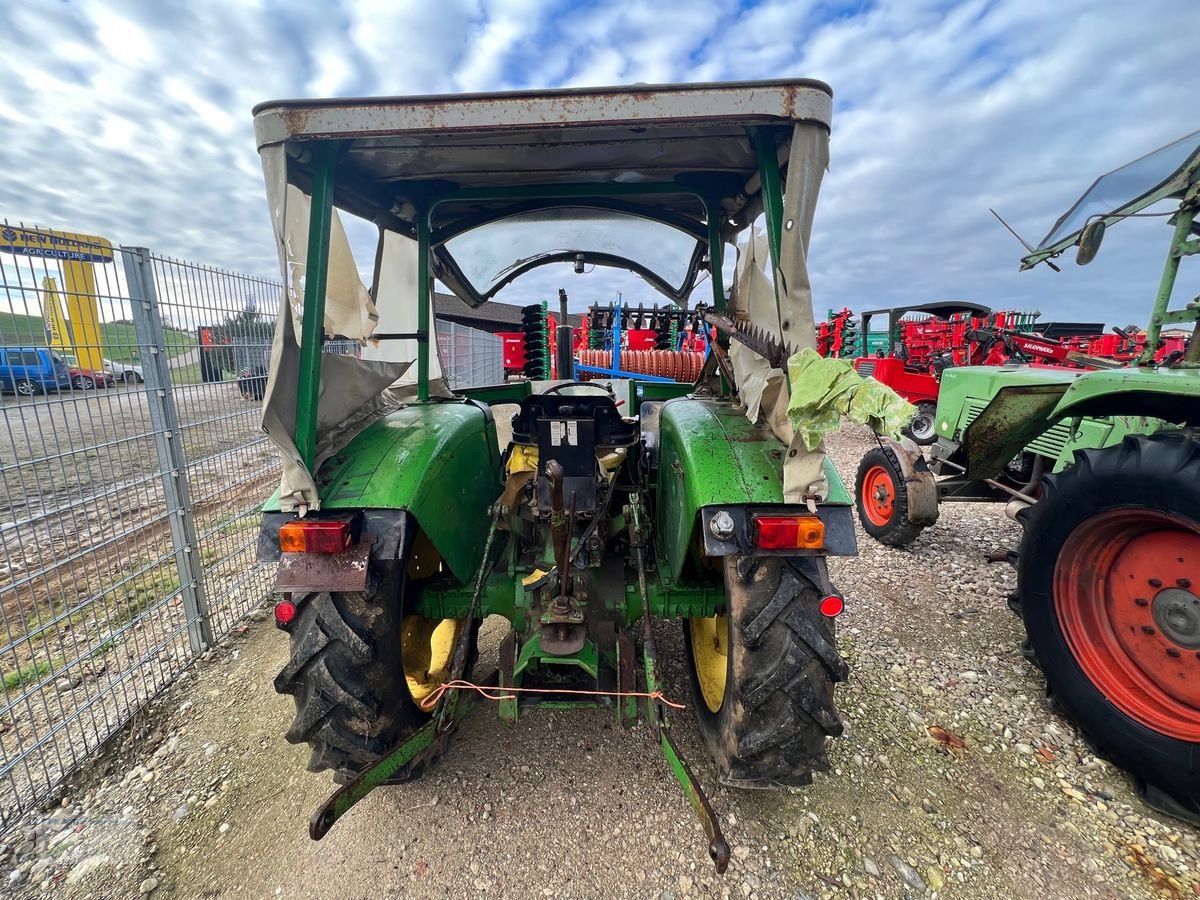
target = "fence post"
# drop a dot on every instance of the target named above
(168, 440)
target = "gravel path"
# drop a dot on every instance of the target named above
(954, 778)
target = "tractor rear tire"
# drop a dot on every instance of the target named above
(346, 673)
(922, 427)
(881, 496)
(1107, 575)
(774, 708)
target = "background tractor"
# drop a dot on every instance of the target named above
(1102, 470)
(400, 522)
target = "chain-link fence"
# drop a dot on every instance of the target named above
(132, 468)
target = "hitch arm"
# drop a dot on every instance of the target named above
(718, 847)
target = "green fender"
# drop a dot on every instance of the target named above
(712, 455)
(438, 460)
(1139, 400)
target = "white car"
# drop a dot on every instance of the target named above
(124, 372)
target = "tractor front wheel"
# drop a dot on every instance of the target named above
(1110, 592)
(358, 668)
(881, 496)
(922, 427)
(763, 673)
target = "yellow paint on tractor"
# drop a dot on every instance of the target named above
(710, 652)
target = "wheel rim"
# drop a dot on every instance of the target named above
(878, 495)
(1131, 616)
(710, 657)
(922, 425)
(426, 649)
(25, 389)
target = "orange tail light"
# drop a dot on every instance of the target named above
(788, 532)
(303, 536)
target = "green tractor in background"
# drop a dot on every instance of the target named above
(1102, 470)
(401, 522)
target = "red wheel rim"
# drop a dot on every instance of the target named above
(878, 495)
(1128, 607)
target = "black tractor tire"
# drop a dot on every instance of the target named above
(346, 674)
(922, 427)
(778, 709)
(1131, 487)
(887, 522)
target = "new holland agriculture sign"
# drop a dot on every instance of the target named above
(64, 245)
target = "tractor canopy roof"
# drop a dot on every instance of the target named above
(941, 309)
(1166, 173)
(510, 181)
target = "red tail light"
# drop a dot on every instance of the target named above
(788, 532)
(285, 611)
(303, 536)
(832, 605)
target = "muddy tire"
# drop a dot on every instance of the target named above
(776, 708)
(1107, 579)
(881, 497)
(922, 427)
(345, 674)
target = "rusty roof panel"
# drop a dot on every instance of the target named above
(744, 103)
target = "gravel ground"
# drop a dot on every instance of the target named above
(954, 778)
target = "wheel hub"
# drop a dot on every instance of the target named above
(878, 496)
(1123, 593)
(1177, 613)
(922, 425)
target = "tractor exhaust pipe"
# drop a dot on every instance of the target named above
(564, 360)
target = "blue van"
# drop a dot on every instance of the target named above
(32, 370)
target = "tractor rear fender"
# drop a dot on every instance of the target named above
(920, 485)
(711, 458)
(438, 462)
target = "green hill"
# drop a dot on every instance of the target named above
(120, 341)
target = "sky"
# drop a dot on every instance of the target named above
(131, 119)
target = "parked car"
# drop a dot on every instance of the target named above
(87, 379)
(125, 372)
(32, 370)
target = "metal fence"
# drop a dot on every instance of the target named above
(470, 357)
(131, 468)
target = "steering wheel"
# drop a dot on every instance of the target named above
(585, 384)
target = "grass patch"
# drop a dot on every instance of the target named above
(136, 596)
(119, 339)
(189, 374)
(26, 674)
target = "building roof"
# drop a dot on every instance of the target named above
(492, 316)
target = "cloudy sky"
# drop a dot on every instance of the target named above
(131, 118)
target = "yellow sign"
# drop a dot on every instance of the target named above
(81, 309)
(58, 332)
(77, 253)
(64, 245)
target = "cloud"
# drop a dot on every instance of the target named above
(132, 119)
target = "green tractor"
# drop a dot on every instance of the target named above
(1102, 470)
(401, 522)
